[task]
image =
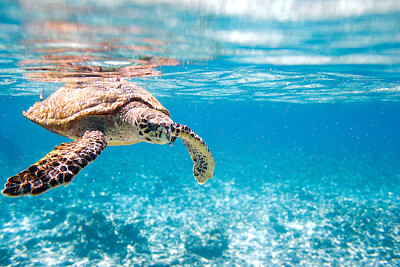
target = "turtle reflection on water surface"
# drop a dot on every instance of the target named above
(97, 114)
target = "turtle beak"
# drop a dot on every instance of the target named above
(172, 140)
(172, 133)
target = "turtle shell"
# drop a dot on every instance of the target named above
(76, 100)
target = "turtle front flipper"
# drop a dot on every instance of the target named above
(58, 167)
(199, 152)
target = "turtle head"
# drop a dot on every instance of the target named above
(154, 127)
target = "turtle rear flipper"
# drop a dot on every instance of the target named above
(58, 167)
(204, 163)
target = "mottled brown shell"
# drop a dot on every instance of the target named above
(76, 100)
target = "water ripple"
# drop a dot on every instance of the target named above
(253, 83)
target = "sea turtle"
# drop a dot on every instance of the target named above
(97, 114)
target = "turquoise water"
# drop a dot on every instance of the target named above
(298, 102)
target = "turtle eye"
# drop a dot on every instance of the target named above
(152, 126)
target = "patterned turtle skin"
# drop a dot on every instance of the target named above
(97, 114)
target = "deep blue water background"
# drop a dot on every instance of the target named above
(299, 105)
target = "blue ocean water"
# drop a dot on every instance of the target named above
(297, 100)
